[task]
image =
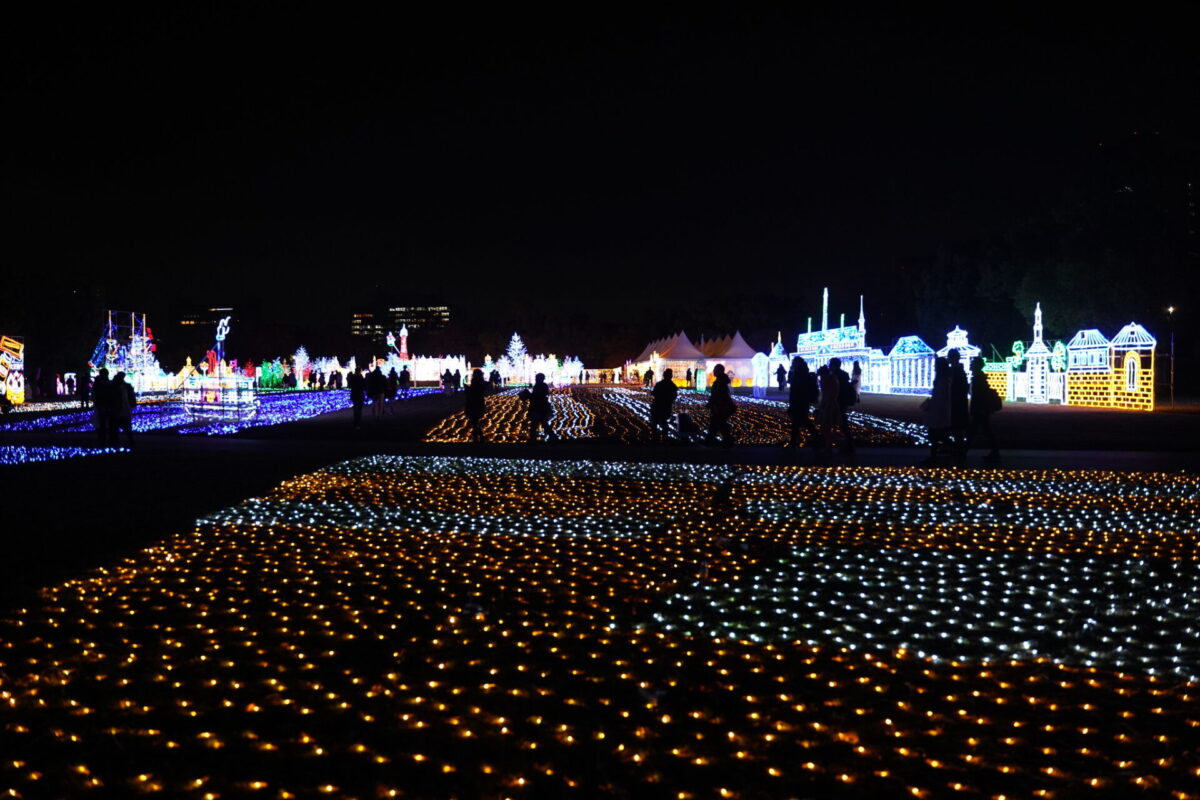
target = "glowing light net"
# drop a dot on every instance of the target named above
(477, 628)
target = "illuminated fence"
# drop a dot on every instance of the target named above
(435, 627)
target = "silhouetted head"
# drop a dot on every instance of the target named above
(977, 366)
(103, 373)
(799, 365)
(539, 378)
(953, 356)
(477, 376)
(835, 363)
(120, 378)
(719, 369)
(667, 374)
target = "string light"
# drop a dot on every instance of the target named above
(275, 408)
(428, 626)
(622, 414)
(20, 454)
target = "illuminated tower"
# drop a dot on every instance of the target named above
(862, 319)
(1037, 364)
(825, 310)
(404, 343)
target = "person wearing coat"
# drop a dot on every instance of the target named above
(720, 407)
(937, 408)
(663, 405)
(474, 404)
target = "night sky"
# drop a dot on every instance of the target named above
(319, 158)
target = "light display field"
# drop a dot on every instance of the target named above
(622, 414)
(446, 627)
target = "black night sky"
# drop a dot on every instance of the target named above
(597, 178)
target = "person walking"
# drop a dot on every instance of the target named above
(376, 389)
(846, 398)
(828, 409)
(122, 402)
(475, 404)
(662, 406)
(404, 382)
(357, 385)
(960, 414)
(720, 408)
(393, 386)
(802, 395)
(101, 405)
(84, 387)
(937, 409)
(781, 377)
(985, 401)
(540, 410)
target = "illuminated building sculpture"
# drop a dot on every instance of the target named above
(220, 392)
(127, 345)
(12, 370)
(1111, 374)
(957, 340)
(422, 369)
(1089, 370)
(906, 369)
(1043, 379)
(910, 366)
(848, 343)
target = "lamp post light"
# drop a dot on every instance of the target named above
(1171, 327)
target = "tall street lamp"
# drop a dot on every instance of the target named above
(1171, 326)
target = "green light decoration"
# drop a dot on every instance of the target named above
(1058, 357)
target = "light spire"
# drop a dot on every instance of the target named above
(825, 310)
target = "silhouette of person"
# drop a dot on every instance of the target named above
(720, 407)
(101, 404)
(376, 388)
(985, 401)
(494, 381)
(937, 408)
(781, 377)
(829, 413)
(404, 382)
(123, 401)
(84, 387)
(357, 385)
(662, 406)
(846, 398)
(474, 404)
(802, 395)
(688, 377)
(393, 386)
(960, 415)
(540, 410)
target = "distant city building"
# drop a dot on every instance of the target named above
(419, 317)
(206, 318)
(376, 324)
(368, 324)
